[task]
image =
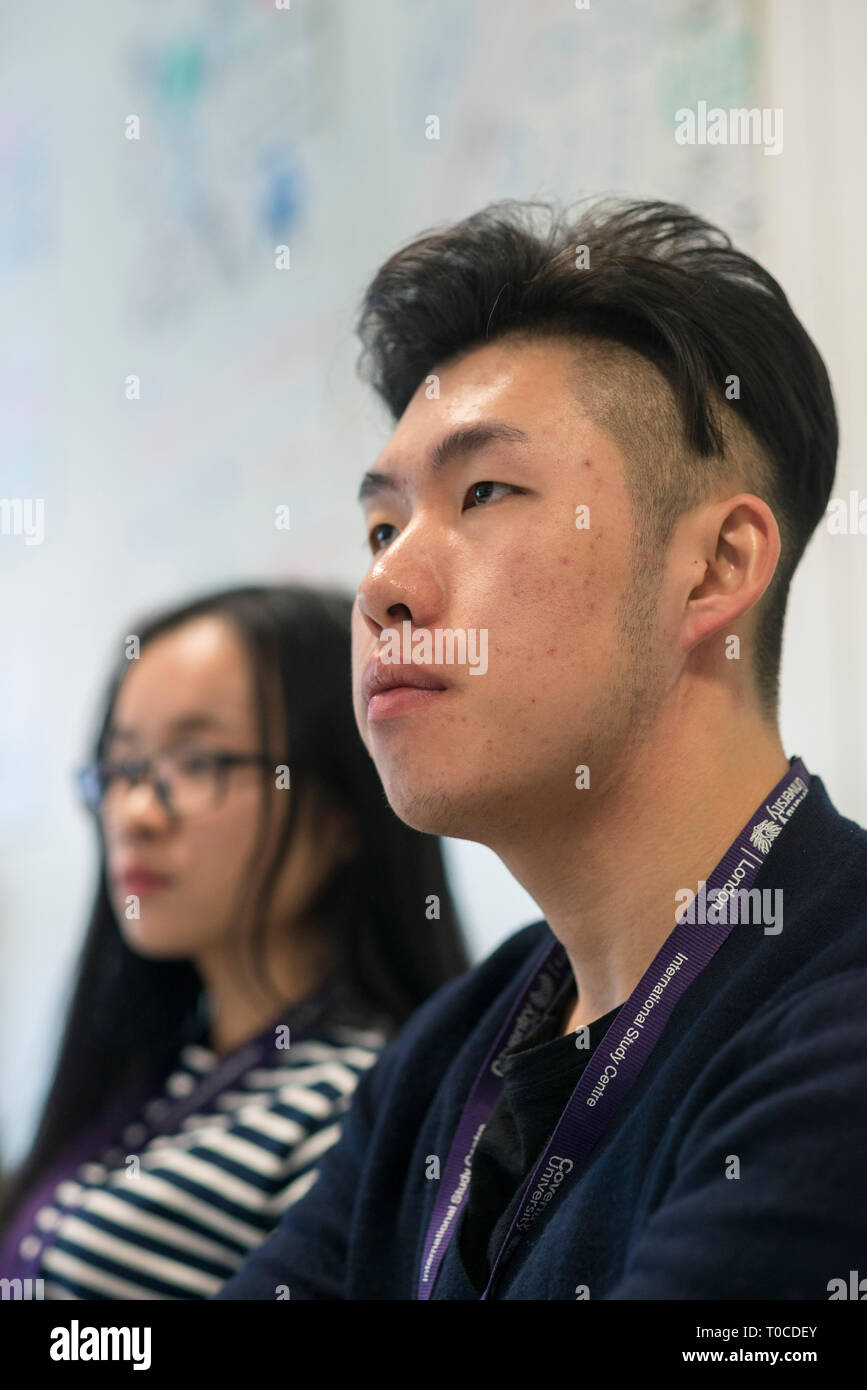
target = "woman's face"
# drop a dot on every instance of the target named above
(190, 692)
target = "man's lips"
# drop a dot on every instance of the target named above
(390, 689)
(379, 677)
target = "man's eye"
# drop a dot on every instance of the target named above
(483, 492)
(377, 541)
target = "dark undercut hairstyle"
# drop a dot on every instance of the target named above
(687, 352)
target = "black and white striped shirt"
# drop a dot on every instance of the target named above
(179, 1215)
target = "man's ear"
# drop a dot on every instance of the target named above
(741, 548)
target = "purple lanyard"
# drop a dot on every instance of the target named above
(260, 1051)
(628, 1043)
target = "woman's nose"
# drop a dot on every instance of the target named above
(141, 809)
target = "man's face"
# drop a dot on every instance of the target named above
(487, 542)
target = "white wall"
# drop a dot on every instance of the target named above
(156, 257)
(812, 238)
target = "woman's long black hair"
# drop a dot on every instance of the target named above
(393, 946)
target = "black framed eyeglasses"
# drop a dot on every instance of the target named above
(186, 784)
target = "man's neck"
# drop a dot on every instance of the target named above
(606, 875)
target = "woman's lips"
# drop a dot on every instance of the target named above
(139, 881)
(400, 699)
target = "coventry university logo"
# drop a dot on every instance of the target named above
(764, 834)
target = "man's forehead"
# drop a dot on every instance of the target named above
(504, 380)
(486, 372)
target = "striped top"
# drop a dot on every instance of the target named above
(174, 1215)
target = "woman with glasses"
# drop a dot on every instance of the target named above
(263, 923)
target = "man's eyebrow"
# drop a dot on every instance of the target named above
(458, 441)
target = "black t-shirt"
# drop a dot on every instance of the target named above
(539, 1076)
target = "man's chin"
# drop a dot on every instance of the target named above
(434, 811)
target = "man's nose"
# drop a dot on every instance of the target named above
(406, 582)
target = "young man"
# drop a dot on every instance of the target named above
(613, 441)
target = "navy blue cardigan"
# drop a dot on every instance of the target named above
(764, 1058)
